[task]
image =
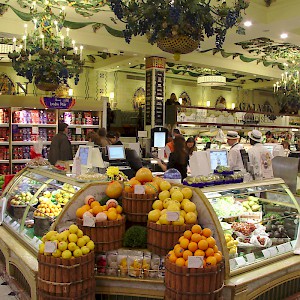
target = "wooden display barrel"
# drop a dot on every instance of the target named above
(66, 278)
(107, 235)
(137, 206)
(162, 238)
(18, 210)
(183, 283)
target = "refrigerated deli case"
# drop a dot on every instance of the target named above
(273, 263)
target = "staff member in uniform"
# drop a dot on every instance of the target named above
(260, 158)
(234, 155)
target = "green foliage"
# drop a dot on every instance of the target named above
(136, 237)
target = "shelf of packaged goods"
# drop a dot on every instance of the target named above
(4, 161)
(78, 142)
(198, 125)
(4, 143)
(4, 124)
(33, 125)
(27, 143)
(83, 126)
(20, 161)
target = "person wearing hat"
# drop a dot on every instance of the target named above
(60, 148)
(260, 158)
(235, 161)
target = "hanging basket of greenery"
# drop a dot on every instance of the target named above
(47, 86)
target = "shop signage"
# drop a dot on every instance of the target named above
(57, 103)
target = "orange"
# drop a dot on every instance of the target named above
(91, 211)
(178, 251)
(96, 209)
(187, 234)
(112, 215)
(119, 217)
(193, 246)
(203, 245)
(182, 237)
(196, 237)
(184, 243)
(197, 229)
(119, 209)
(104, 207)
(204, 263)
(211, 242)
(172, 257)
(186, 254)
(95, 203)
(180, 262)
(199, 253)
(206, 232)
(209, 252)
(218, 257)
(203, 237)
(216, 249)
(112, 209)
(186, 263)
(171, 252)
(80, 211)
(211, 261)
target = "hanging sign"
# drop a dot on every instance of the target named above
(57, 103)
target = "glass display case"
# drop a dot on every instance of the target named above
(259, 220)
(29, 213)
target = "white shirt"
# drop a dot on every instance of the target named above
(235, 158)
(261, 160)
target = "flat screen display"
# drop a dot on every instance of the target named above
(83, 155)
(159, 139)
(270, 148)
(116, 152)
(218, 158)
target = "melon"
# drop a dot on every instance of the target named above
(144, 175)
(114, 189)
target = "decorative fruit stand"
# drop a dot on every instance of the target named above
(226, 243)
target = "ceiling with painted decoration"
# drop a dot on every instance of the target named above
(254, 60)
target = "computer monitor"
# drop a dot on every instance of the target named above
(159, 140)
(85, 155)
(270, 147)
(116, 152)
(218, 158)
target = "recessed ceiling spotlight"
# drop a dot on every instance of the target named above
(247, 23)
(284, 35)
(129, 63)
(135, 54)
(144, 58)
(118, 66)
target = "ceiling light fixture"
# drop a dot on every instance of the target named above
(284, 35)
(247, 23)
(211, 80)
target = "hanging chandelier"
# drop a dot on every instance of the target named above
(46, 55)
(211, 80)
(178, 26)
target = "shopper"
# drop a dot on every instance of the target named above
(172, 100)
(93, 137)
(269, 137)
(260, 158)
(114, 138)
(179, 158)
(60, 148)
(235, 161)
(104, 141)
(170, 145)
(190, 145)
(286, 148)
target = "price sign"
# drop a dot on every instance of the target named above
(266, 253)
(173, 216)
(281, 249)
(139, 189)
(273, 251)
(78, 130)
(35, 130)
(240, 261)
(232, 264)
(287, 246)
(89, 221)
(253, 216)
(50, 247)
(250, 258)
(294, 243)
(3, 203)
(195, 262)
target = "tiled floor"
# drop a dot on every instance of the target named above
(6, 292)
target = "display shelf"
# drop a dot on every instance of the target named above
(4, 124)
(4, 161)
(83, 126)
(27, 143)
(33, 125)
(20, 161)
(4, 143)
(78, 142)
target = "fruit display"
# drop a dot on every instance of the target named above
(114, 173)
(110, 211)
(173, 199)
(68, 244)
(226, 207)
(275, 226)
(23, 198)
(196, 242)
(47, 209)
(114, 189)
(2, 181)
(251, 204)
(231, 244)
(244, 228)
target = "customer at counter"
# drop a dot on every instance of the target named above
(178, 159)
(60, 148)
(260, 158)
(169, 148)
(191, 145)
(235, 161)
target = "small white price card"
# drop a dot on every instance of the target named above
(89, 221)
(3, 203)
(293, 243)
(240, 261)
(281, 248)
(250, 258)
(78, 130)
(266, 253)
(173, 215)
(287, 246)
(35, 130)
(139, 189)
(50, 247)
(195, 262)
(273, 251)
(232, 264)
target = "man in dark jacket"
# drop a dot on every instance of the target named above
(60, 148)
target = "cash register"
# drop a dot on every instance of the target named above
(116, 156)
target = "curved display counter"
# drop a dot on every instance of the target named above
(253, 265)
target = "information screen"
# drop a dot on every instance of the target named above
(116, 152)
(83, 155)
(218, 158)
(159, 139)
